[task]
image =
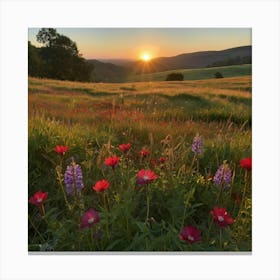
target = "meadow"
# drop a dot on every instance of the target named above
(196, 74)
(163, 191)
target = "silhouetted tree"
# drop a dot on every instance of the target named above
(59, 58)
(218, 75)
(175, 77)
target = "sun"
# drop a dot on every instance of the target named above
(146, 57)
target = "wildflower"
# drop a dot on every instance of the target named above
(61, 150)
(145, 177)
(89, 218)
(73, 178)
(197, 145)
(125, 147)
(190, 234)
(112, 161)
(221, 217)
(162, 160)
(38, 198)
(246, 163)
(144, 153)
(156, 162)
(101, 185)
(223, 176)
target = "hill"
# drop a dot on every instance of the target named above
(196, 74)
(108, 72)
(190, 60)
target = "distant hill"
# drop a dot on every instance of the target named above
(196, 73)
(190, 60)
(108, 72)
(116, 61)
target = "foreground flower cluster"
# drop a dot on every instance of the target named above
(72, 185)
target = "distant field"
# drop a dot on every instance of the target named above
(197, 74)
(93, 119)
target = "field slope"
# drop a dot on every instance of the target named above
(196, 74)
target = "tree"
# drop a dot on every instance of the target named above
(47, 36)
(218, 75)
(175, 77)
(60, 58)
(35, 62)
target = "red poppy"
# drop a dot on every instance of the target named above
(162, 160)
(112, 161)
(144, 153)
(221, 217)
(38, 198)
(101, 185)
(154, 162)
(246, 163)
(190, 234)
(125, 147)
(145, 177)
(89, 218)
(61, 150)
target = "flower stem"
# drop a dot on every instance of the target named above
(91, 238)
(148, 204)
(36, 230)
(242, 204)
(221, 243)
(59, 178)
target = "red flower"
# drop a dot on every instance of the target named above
(112, 161)
(125, 147)
(143, 153)
(89, 218)
(61, 150)
(101, 185)
(38, 198)
(145, 177)
(154, 162)
(221, 217)
(190, 234)
(246, 163)
(162, 160)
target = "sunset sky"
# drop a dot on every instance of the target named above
(132, 43)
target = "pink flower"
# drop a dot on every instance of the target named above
(190, 234)
(101, 185)
(61, 150)
(246, 163)
(89, 218)
(145, 177)
(112, 161)
(38, 198)
(221, 217)
(125, 147)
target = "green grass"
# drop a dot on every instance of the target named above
(197, 74)
(163, 117)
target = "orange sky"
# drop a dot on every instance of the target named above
(130, 43)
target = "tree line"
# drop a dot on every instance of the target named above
(232, 61)
(58, 58)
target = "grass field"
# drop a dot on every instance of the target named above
(162, 118)
(197, 74)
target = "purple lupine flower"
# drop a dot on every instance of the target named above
(73, 178)
(223, 176)
(197, 145)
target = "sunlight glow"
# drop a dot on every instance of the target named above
(146, 57)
